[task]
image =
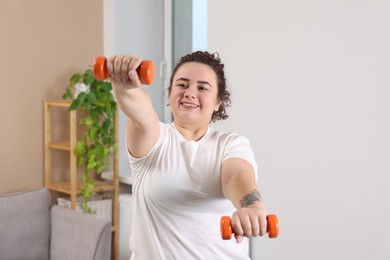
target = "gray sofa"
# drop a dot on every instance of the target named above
(30, 228)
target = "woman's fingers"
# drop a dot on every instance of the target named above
(238, 238)
(263, 224)
(122, 67)
(237, 225)
(248, 222)
(131, 73)
(254, 226)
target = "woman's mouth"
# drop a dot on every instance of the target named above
(189, 105)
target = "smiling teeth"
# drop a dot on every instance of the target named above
(189, 105)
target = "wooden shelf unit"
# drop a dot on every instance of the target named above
(72, 187)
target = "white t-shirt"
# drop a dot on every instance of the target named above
(178, 200)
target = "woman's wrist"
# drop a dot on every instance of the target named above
(253, 197)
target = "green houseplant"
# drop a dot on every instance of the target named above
(97, 108)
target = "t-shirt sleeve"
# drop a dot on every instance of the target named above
(240, 147)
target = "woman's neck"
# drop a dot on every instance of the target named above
(191, 132)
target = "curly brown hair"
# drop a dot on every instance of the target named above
(213, 60)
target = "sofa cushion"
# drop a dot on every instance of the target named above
(25, 225)
(77, 235)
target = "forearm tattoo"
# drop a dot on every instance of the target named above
(251, 198)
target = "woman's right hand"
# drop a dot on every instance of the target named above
(122, 71)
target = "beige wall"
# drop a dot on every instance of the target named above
(43, 42)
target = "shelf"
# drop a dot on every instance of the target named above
(64, 187)
(59, 145)
(59, 103)
(109, 175)
(72, 186)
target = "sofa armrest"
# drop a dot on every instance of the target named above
(76, 235)
(25, 225)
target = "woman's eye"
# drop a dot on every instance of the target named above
(203, 88)
(182, 85)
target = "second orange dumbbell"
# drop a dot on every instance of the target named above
(272, 227)
(145, 71)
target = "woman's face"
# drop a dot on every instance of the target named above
(193, 97)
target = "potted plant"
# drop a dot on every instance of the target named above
(95, 103)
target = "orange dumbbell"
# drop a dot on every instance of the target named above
(145, 71)
(272, 227)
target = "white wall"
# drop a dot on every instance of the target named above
(311, 89)
(136, 27)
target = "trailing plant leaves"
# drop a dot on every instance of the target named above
(93, 115)
(80, 148)
(72, 82)
(88, 121)
(88, 77)
(75, 79)
(75, 104)
(91, 164)
(87, 193)
(92, 132)
(78, 101)
(98, 109)
(91, 97)
(68, 94)
(81, 97)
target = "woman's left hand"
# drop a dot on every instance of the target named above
(250, 221)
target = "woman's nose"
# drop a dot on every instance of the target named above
(189, 93)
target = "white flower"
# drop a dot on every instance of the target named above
(80, 87)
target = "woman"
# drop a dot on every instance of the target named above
(187, 175)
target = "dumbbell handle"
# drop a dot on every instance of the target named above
(145, 71)
(272, 227)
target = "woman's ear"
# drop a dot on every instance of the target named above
(218, 106)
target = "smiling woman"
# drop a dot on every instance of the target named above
(207, 64)
(192, 98)
(187, 175)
